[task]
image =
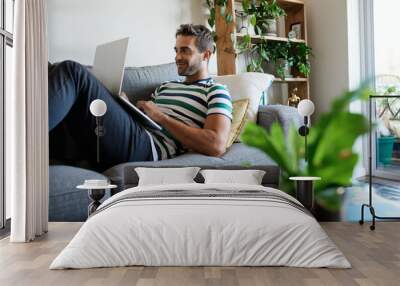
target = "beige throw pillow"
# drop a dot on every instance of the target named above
(239, 112)
(248, 85)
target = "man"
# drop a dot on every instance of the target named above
(195, 114)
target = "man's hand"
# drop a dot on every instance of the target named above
(209, 140)
(151, 110)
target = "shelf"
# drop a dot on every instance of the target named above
(271, 38)
(294, 79)
(285, 3)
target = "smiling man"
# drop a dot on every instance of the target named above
(195, 114)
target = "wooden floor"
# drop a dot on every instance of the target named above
(375, 257)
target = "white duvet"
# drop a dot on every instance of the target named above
(188, 231)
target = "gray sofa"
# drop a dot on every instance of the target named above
(70, 204)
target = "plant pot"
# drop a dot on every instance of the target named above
(271, 28)
(385, 149)
(271, 68)
(243, 25)
(286, 68)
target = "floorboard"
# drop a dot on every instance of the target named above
(374, 255)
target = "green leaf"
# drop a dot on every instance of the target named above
(245, 5)
(253, 20)
(295, 146)
(340, 132)
(361, 93)
(272, 142)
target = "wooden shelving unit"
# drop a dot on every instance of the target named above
(270, 38)
(227, 59)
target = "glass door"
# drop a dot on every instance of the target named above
(386, 110)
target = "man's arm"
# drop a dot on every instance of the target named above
(209, 140)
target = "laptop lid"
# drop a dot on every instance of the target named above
(109, 64)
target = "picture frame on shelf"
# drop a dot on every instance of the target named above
(296, 27)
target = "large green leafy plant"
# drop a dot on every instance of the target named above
(329, 148)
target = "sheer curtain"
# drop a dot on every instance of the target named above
(27, 124)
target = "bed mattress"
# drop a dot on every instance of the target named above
(201, 225)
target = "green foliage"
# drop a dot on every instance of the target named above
(211, 4)
(262, 11)
(301, 58)
(329, 148)
(259, 54)
(271, 51)
(390, 90)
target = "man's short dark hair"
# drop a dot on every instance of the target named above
(204, 37)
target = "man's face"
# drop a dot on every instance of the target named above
(188, 59)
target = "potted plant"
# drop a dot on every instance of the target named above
(266, 12)
(329, 150)
(283, 59)
(271, 57)
(259, 54)
(245, 19)
(279, 59)
(301, 58)
(385, 142)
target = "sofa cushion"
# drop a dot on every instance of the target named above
(66, 202)
(239, 111)
(239, 156)
(249, 85)
(140, 82)
(283, 114)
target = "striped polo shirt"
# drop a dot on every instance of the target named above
(189, 103)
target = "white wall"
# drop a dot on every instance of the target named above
(75, 27)
(334, 35)
(327, 35)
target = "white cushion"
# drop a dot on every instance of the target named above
(247, 85)
(246, 177)
(166, 176)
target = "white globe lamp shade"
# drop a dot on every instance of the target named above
(306, 107)
(98, 107)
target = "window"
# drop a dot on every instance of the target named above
(382, 62)
(386, 37)
(6, 43)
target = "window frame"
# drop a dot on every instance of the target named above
(367, 30)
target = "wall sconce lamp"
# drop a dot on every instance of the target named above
(98, 108)
(306, 109)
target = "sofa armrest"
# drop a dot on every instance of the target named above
(285, 115)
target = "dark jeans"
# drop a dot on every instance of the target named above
(71, 90)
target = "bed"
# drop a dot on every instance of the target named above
(201, 225)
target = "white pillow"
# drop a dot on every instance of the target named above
(247, 177)
(166, 176)
(247, 85)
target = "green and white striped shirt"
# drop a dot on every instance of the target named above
(189, 103)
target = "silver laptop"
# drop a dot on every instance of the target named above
(108, 67)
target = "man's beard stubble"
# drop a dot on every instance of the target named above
(190, 69)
